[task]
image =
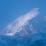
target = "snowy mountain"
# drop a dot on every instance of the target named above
(27, 30)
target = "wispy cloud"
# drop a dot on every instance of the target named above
(15, 26)
(45, 18)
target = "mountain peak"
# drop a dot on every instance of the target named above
(16, 26)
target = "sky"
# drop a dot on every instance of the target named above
(12, 9)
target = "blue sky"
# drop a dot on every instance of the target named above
(12, 9)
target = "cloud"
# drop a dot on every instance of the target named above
(16, 25)
(45, 18)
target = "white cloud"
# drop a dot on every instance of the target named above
(15, 26)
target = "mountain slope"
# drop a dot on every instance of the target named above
(32, 32)
(16, 25)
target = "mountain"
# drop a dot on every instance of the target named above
(30, 31)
